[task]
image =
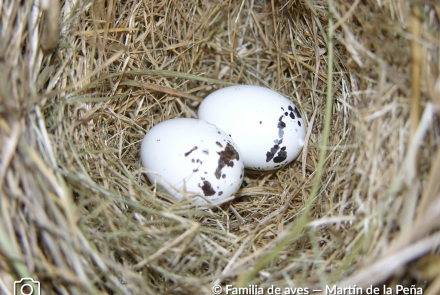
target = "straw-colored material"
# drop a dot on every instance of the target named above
(82, 82)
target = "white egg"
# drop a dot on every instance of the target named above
(190, 157)
(266, 126)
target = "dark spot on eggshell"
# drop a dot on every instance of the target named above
(220, 193)
(195, 170)
(290, 108)
(297, 113)
(202, 178)
(299, 123)
(218, 143)
(269, 155)
(206, 152)
(193, 161)
(218, 132)
(158, 140)
(281, 124)
(224, 176)
(226, 157)
(261, 122)
(286, 113)
(281, 156)
(276, 166)
(198, 161)
(282, 108)
(206, 172)
(292, 115)
(273, 150)
(241, 175)
(230, 135)
(192, 150)
(207, 189)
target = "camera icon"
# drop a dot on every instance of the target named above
(26, 286)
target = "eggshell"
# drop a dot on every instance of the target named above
(267, 127)
(190, 157)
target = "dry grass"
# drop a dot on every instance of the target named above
(360, 205)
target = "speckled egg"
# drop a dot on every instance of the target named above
(266, 126)
(193, 158)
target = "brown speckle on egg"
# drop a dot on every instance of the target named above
(297, 113)
(207, 188)
(192, 150)
(226, 157)
(273, 150)
(281, 124)
(281, 156)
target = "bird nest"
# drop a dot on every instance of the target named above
(359, 207)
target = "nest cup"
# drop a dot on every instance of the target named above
(81, 83)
